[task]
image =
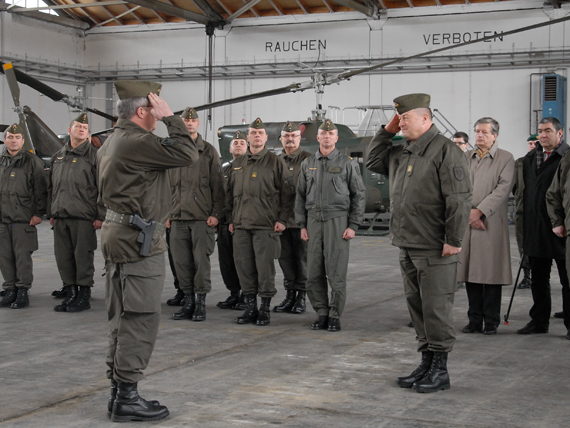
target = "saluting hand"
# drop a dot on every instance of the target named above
(394, 125)
(159, 107)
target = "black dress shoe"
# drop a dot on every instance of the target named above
(489, 330)
(532, 328)
(321, 323)
(558, 314)
(473, 328)
(334, 324)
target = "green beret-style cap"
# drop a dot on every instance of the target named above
(82, 118)
(239, 136)
(409, 102)
(327, 125)
(290, 127)
(533, 137)
(136, 88)
(257, 124)
(189, 113)
(15, 129)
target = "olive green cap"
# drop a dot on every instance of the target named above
(136, 88)
(409, 102)
(82, 118)
(257, 124)
(533, 137)
(239, 136)
(189, 113)
(327, 125)
(15, 129)
(290, 127)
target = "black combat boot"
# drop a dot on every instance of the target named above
(419, 373)
(230, 302)
(112, 398)
(71, 291)
(300, 305)
(321, 323)
(240, 305)
(264, 317)
(526, 281)
(437, 378)
(22, 299)
(177, 299)
(251, 313)
(2, 293)
(9, 297)
(287, 303)
(200, 311)
(59, 294)
(130, 407)
(81, 303)
(188, 306)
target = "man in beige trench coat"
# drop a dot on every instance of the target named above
(485, 262)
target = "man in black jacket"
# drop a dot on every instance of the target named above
(539, 243)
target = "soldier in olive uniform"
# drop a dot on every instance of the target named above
(238, 147)
(329, 208)
(23, 194)
(198, 203)
(135, 189)
(430, 203)
(259, 199)
(293, 259)
(74, 214)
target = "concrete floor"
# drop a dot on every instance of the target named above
(219, 374)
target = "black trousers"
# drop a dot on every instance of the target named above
(484, 303)
(226, 258)
(170, 260)
(293, 260)
(540, 311)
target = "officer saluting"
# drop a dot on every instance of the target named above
(134, 187)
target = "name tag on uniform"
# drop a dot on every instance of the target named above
(334, 169)
(60, 158)
(238, 168)
(313, 169)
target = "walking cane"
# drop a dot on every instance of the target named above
(514, 289)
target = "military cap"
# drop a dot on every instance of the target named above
(327, 125)
(239, 136)
(15, 129)
(189, 113)
(290, 127)
(257, 124)
(136, 88)
(409, 102)
(533, 137)
(82, 118)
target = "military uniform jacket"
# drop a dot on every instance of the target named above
(430, 189)
(329, 187)
(293, 163)
(260, 191)
(538, 238)
(23, 187)
(133, 180)
(72, 183)
(198, 189)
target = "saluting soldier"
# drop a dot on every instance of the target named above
(293, 259)
(135, 189)
(329, 208)
(259, 199)
(197, 206)
(23, 195)
(238, 147)
(74, 214)
(430, 203)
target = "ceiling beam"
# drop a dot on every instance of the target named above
(118, 16)
(370, 10)
(175, 11)
(208, 10)
(242, 10)
(41, 16)
(71, 6)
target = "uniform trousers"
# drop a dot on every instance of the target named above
(170, 260)
(74, 243)
(226, 258)
(17, 243)
(430, 285)
(192, 244)
(132, 296)
(540, 287)
(484, 303)
(327, 259)
(293, 260)
(255, 251)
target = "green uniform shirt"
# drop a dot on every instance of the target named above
(133, 180)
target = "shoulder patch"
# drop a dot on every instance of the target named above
(459, 173)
